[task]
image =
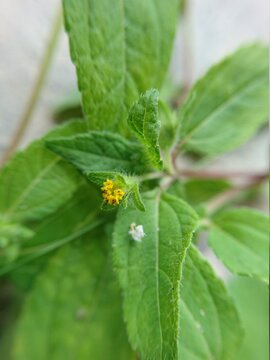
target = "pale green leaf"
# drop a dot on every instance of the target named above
(120, 49)
(209, 323)
(240, 238)
(35, 182)
(150, 270)
(227, 106)
(100, 151)
(252, 300)
(74, 310)
(144, 120)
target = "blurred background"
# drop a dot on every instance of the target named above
(208, 30)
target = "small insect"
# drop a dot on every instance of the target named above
(136, 232)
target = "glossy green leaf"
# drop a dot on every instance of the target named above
(227, 106)
(209, 324)
(240, 238)
(150, 270)
(120, 49)
(74, 310)
(144, 120)
(36, 182)
(100, 151)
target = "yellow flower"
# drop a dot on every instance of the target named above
(108, 184)
(111, 194)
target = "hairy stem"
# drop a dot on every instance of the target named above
(37, 87)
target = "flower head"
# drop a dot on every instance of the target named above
(112, 195)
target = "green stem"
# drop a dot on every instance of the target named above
(37, 87)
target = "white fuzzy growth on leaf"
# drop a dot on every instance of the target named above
(136, 232)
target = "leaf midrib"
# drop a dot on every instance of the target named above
(32, 185)
(231, 98)
(157, 212)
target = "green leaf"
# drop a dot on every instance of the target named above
(144, 120)
(75, 218)
(36, 182)
(126, 183)
(196, 191)
(150, 270)
(12, 237)
(138, 201)
(227, 106)
(99, 177)
(202, 190)
(169, 125)
(209, 323)
(240, 238)
(120, 49)
(77, 307)
(252, 300)
(100, 151)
